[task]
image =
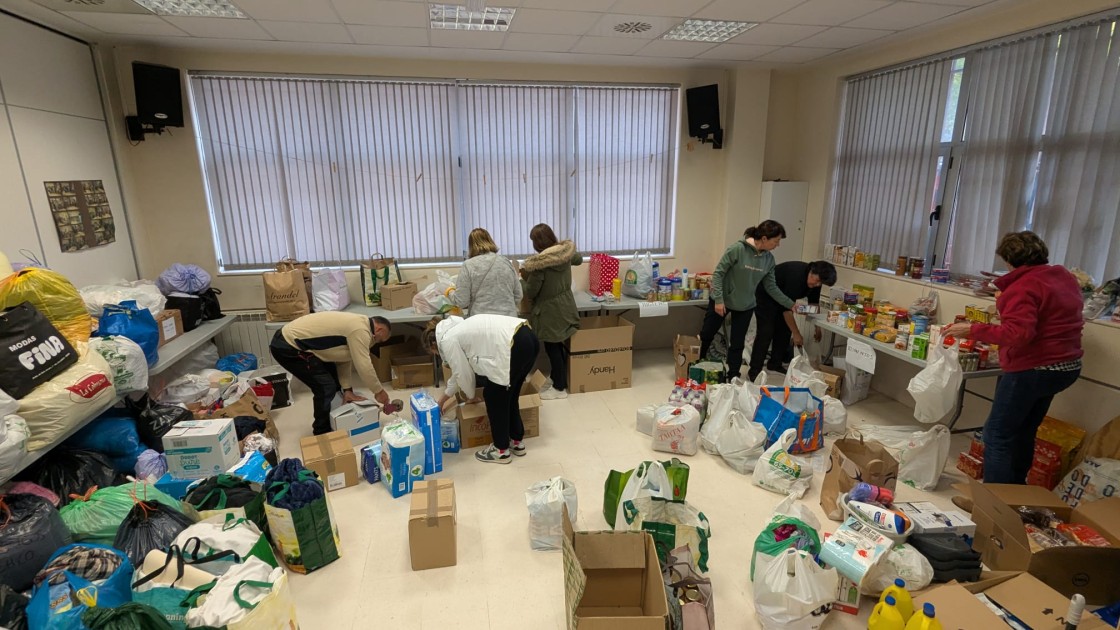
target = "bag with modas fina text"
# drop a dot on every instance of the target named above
(285, 295)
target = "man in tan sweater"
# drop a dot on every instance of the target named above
(319, 349)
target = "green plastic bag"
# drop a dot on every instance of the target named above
(128, 616)
(97, 516)
(672, 524)
(613, 487)
(803, 536)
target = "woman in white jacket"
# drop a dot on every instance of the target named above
(501, 349)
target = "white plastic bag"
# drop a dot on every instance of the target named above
(7, 404)
(13, 442)
(788, 507)
(778, 471)
(215, 535)
(638, 281)
(188, 390)
(835, 416)
(146, 294)
(205, 357)
(546, 501)
(126, 360)
(433, 298)
(220, 608)
(328, 290)
(750, 394)
(921, 454)
(1093, 479)
(802, 374)
(741, 443)
(935, 389)
(648, 480)
(902, 561)
(721, 399)
(645, 419)
(794, 593)
(58, 405)
(677, 430)
(856, 384)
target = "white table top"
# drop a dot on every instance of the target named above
(625, 303)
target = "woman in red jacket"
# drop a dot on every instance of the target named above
(1039, 338)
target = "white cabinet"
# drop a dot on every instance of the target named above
(787, 203)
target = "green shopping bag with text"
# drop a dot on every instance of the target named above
(672, 524)
(666, 479)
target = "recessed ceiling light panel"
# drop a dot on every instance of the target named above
(458, 17)
(193, 8)
(707, 30)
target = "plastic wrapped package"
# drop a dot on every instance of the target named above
(149, 526)
(69, 398)
(128, 365)
(151, 465)
(31, 532)
(53, 295)
(145, 294)
(13, 444)
(1092, 479)
(902, 561)
(97, 517)
(205, 357)
(67, 472)
(185, 278)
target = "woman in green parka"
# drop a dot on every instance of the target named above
(547, 283)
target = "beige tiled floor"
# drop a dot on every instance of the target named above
(499, 582)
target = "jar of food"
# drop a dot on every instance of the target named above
(902, 266)
(917, 267)
(860, 260)
(875, 260)
(664, 289)
(869, 315)
(677, 289)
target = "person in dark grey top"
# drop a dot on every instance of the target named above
(776, 326)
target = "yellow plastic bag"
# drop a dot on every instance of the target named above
(53, 295)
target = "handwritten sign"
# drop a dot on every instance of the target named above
(860, 355)
(653, 309)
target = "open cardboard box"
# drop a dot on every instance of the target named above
(612, 581)
(474, 425)
(1002, 542)
(601, 354)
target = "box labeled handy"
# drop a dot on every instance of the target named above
(1035, 604)
(170, 323)
(402, 457)
(331, 456)
(201, 448)
(686, 351)
(474, 425)
(601, 354)
(930, 519)
(415, 371)
(397, 296)
(426, 415)
(360, 420)
(431, 525)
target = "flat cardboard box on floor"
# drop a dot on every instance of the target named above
(686, 351)
(415, 371)
(396, 346)
(170, 323)
(431, 525)
(1002, 541)
(612, 581)
(601, 354)
(331, 456)
(474, 425)
(1034, 603)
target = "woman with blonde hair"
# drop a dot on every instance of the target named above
(488, 283)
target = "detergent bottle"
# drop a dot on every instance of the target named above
(901, 598)
(924, 619)
(886, 616)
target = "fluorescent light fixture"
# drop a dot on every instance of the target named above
(193, 8)
(459, 17)
(707, 30)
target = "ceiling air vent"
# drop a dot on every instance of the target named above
(632, 27)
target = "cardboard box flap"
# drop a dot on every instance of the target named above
(1015, 495)
(1000, 536)
(326, 446)
(1035, 603)
(575, 581)
(535, 381)
(432, 499)
(608, 333)
(1092, 571)
(1103, 516)
(610, 550)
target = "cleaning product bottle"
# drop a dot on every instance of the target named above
(881, 518)
(868, 493)
(924, 619)
(901, 598)
(886, 616)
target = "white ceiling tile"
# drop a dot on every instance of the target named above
(539, 42)
(447, 38)
(567, 5)
(126, 23)
(776, 34)
(389, 36)
(106, 6)
(737, 52)
(793, 54)
(841, 37)
(959, 3)
(221, 28)
(747, 11)
(554, 22)
(591, 44)
(289, 10)
(307, 32)
(905, 15)
(674, 48)
(383, 12)
(606, 26)
(674, 8)
(830, 12)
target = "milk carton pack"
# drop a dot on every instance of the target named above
(426, 413)
(196, 449)
(402, 457)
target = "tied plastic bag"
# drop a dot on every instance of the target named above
(742, 442)
(190, 389)
(802, 374)
(936, 388)
(145, 294)
(795, 593)
(902, 561)
(237, 363)
(835, 416)
(149, 526)
(52, 295)
(151, 465)
(721, 400)
(677, 430)
(13, 444)
(546, 501)
(96, 516)
(921, 454)
(780, 472)
(69, 472)
(185, 278)
(67, 400)
(638, 281)
(127, 362)
(433, 300)
(1094, 478)
(791, 526)
(129, 320)
(328, 290)
(111, 434)
(31, 532)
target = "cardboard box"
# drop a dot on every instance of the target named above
(474, 426)
(431, 525)
(601, 354)
(1031, 601)
(930, 519)
(196, 449)
(414, 371)
(1002, 541)
(170, 323)
(360, 420)
(686, 351)
(397, 296)
(396, 346)
(834, 378)
(612, 580)
(331, 456)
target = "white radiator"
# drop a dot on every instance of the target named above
(247, 334)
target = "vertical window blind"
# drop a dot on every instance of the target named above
(332, 170)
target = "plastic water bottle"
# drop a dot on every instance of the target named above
(886, 616)
(684, 279)
(901, 598)
(924, 619)
(868, 493)
(656, 270)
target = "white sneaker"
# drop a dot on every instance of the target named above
(553, 394)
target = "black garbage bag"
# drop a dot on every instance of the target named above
(30, 532)
(154, 420)
(227, 492)
(149, 525)
(67, 471)
(130, 616)
(13, 609)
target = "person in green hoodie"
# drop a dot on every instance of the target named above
(743, 267)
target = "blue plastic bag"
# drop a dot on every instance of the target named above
(114, 436)
(252, 467)
(237, 363)
(129, 320)
(50, 607)
(183, 278)
(799, 410)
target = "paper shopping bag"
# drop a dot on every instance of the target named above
(285, 295)
(377, 272)
(853, 461)
(290, 264)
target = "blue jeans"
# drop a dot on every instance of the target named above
(1021, 402)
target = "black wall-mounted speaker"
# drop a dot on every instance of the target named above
(703, 113)
(159, 95)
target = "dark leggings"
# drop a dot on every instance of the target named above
(740, 322)
(502, 401)
(558, 358)
(319, 376)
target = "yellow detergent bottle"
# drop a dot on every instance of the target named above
(924, 619)
(901, 598)
(886, 616)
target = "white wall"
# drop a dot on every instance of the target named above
(52, 128)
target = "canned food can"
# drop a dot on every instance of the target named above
(902, 267)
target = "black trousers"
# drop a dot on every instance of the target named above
(558, 358)
(740, 322)
(773, 335)
(319, 376)
(501, 401)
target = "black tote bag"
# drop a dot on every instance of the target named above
(32, 351)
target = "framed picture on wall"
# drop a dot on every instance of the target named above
(81, 212)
